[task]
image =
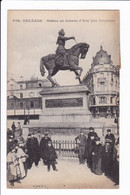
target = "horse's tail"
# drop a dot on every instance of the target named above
(42, 68)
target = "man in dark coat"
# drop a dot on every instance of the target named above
(9, 133)
(32, 148)
(81, 141)
(109, 147)
(97, 157)
(10, 143)
(110, 138)
(44, 146)
(92, 133)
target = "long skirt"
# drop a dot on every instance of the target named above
(96, 167)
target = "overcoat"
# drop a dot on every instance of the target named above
(44, 147)
(32, 147)
(97, 159)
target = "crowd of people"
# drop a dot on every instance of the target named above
(101, 157)
(21, 155)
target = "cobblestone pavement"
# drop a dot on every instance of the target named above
(70, 175)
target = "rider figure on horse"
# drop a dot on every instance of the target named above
(62, 57)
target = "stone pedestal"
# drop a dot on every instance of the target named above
(65, 106)
(64, 112)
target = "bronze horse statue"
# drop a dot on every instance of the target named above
(53, 65)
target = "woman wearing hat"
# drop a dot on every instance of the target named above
(62, 57)
(97, 157)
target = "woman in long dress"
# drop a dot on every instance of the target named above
(97, 157)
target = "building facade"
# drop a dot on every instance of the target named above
(103, 82)
(23, 98)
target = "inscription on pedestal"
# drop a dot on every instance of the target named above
(67, 102)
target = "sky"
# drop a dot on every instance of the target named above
(28, 41)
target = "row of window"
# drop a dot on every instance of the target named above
(28, 85)
(35, 103)
(102, 100)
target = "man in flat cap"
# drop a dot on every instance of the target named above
(62, 57)
(81, 141)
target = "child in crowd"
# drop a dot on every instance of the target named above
(21, 156)
(13, 170)
(50, 159)
(15, 164)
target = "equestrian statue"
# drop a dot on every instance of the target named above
(64, 59)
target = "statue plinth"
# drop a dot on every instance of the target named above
(64, 111)
(65, 106)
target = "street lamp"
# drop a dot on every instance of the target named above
(28, 108)
(117, 114)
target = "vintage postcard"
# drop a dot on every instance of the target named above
(63, 89)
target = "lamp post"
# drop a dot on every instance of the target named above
(117, 114)
(28, 108)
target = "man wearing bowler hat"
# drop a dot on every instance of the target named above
(92, 133)
(110, 138)
(32, 148)
(44, 146)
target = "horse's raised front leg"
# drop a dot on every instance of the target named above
(50, 78)
(76, 68)
(81, 70)
(78, 77)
